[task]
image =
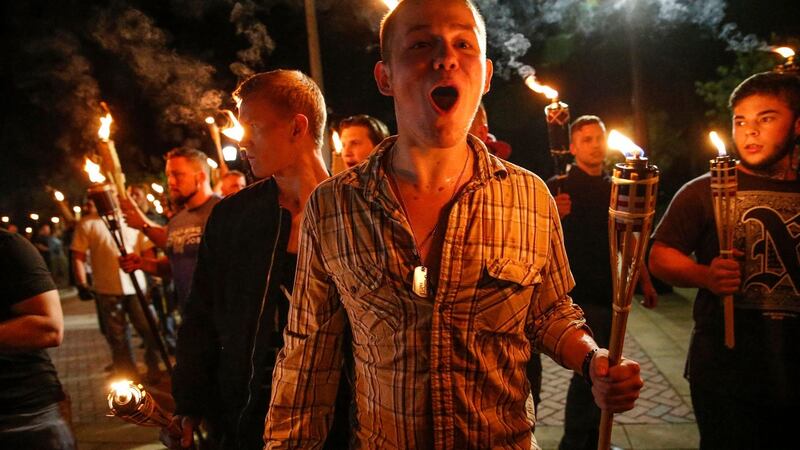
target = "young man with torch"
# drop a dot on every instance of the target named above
(446, 261)
(582, 197)
(245, 268)
(745, 396)
(189, 179)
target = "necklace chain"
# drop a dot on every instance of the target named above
(432, 233)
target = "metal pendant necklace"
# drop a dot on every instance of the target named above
(419, 282)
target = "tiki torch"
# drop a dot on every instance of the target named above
(789, 65)
(724, 183)
(131, 403)
(337, 162)
(105, 202)
(557, 116)
(634, 186)
(213, 129)
(109, 152)
(235, 132)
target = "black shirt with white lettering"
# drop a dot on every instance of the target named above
(764, 366)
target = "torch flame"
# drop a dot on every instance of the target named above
(58, 195)
(93, 170)
(105, 127)
(717, 141)
(211, 163)
(210, 120)
(235, 131)
(337, 143)
(391, 4)
(535, 86)
(622, 143)
(157, 187)
(786, 52)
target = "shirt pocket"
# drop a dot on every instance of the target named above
(369, 301)
(504, 295)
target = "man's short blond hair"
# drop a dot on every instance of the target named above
(290, 92)
(388, 26)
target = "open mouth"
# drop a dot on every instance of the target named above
(445, 97)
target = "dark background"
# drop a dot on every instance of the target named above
(162, 66)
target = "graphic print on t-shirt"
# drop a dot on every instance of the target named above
(769, 234)
(182, 237)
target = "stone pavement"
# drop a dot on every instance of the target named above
(658, 339)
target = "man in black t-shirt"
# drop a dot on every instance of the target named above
(744, 397)
(30, 321)
(582, 198)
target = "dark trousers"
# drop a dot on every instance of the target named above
(727, 422)
(581, 415)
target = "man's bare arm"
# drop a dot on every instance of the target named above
(674, 267)
(38, 324)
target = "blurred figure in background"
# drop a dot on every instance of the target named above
(360, 134)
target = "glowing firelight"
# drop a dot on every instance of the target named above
(210, 120)
(337, 143)
(622, 143)
(105, 127)
(151, 198)
(93, 170)
(786, 52)
(717, 141)
(157, 188)
(55, 219)
(28, 230)
(391, 4)
(58, 195)
(5, 219)
(34, 216)
(211, 163)
(230, 153)
(235, 131)
(76, 209)
(122, 390)
(535, 86)
(159, 208)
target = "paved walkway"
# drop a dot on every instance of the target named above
(658, 339)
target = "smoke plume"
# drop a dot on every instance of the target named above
(243, 15)
(182, 86)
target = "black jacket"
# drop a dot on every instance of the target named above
(226, 344)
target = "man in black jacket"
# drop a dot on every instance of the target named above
(238, 303)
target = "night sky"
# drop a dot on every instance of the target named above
(163, 65)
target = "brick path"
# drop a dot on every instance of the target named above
(658, 402)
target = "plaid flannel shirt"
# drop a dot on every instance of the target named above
(441, 372)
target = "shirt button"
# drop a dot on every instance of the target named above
(352, 289)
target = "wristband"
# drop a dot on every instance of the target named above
(586, 365)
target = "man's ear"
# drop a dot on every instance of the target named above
(489, 72)
(572, 147)
(383, 78)
(299, 126)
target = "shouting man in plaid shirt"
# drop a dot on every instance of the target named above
(447, 263)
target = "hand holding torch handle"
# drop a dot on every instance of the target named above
(724, 184)
(633, 199)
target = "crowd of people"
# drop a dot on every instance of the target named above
(405, 302)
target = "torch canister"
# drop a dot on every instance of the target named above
(557, 117)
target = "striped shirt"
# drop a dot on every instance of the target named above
(430, 373)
